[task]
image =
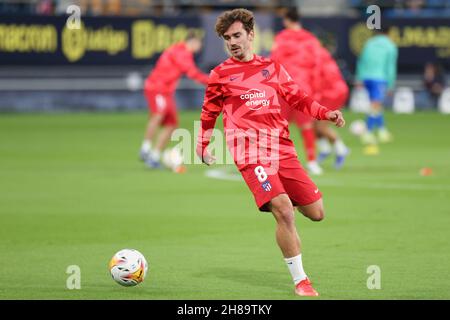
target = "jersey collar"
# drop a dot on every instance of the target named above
(244, 62)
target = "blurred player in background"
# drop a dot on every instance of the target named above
(298, 51)
(159, 91)
(333, 94)
(249, 90)
(377, 71)
(434, 81)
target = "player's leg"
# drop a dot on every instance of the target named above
(384, 135)
(270, 196)
(375, 120)
(162, 141)
(161, 108)
(156, 106)
(369, 138)
(309, 143)
(329, 138)
(335, 99)
(153, 125)
(313, 211)
(164, 137)
(306, 126)
(169, 124)
(289, 242)
(323, 143)
(154, 161)
(303, 193)
(286, 231)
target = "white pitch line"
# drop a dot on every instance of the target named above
(223, 175)
(393, 186)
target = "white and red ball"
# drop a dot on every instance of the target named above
(358, 127)
(128, 267)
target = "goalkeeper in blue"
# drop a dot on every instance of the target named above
(377, 71)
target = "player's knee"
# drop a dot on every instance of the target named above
(314, 212)
(287, 215)
(284, 213)
(317, 215)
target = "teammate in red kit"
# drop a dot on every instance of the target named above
(159, 91)
(250, 90)
(298, 51)
(333, 94)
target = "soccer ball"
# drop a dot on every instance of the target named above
(173, 159)
(358, 127)
(128, 267)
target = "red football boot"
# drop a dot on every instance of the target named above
(304, 288)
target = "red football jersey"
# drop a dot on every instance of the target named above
(332, 79)
(251, 95)
(171, 65)
(298, 52)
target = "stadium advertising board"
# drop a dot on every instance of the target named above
(98, 41)
(36, 40)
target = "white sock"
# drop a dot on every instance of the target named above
(295, 266)
(156, 154)
(340, 148)
(146, 146)
(324, 146)
(313, 164)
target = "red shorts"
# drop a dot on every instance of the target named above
(162, 103)
(290, 178)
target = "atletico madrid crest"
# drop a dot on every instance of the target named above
(265, 73)
(267, 186)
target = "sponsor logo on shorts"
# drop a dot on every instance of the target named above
(316, 191)
(267, 186)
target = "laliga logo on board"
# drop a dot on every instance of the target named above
(255, 99)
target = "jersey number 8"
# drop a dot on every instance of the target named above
(260, 174)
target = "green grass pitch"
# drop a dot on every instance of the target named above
(72, 192)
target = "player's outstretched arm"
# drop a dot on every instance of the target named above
(188, 66)
(204, 137)
(336, 117)
(212, 107)
(302, 102)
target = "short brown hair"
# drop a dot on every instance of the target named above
(227, 18)
(192, 34)
(292, 14)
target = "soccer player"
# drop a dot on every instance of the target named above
(297, 50)
(333, 94)
(251, 91)
(159, 91)
(377, 70)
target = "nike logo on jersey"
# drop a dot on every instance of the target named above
(233, 78)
